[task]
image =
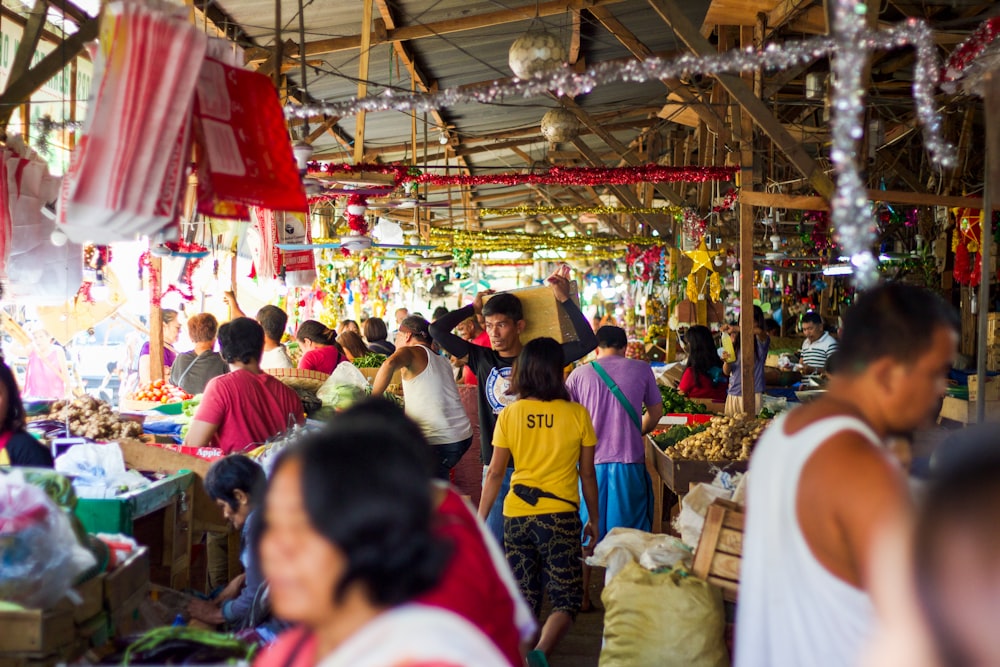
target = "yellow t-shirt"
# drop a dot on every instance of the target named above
(544, 439)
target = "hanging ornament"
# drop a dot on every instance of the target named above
(560, 126)
(965, 242)
(535, 52)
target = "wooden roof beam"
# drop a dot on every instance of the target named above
(784, 13)
(678, 90)
(444, 27)
(743, 94)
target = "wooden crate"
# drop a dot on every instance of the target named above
(91, 594)
(717, 558)
(126, 580)
(679, 475)
(38, 632)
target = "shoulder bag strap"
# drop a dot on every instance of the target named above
(617, 393)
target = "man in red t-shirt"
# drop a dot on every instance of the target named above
(470, 330)
(246, 406)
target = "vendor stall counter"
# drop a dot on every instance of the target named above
(158, 516)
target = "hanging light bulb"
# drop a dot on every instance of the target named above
(443, 139)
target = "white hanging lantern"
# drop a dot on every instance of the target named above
(535, 52)
(356, 209)
(560, 126)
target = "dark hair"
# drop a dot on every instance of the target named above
(13, 421)
(608, 336)
(167, 315)
(236, 473)
(241, 340)
(811, 317)
(504, 304)
(963, 500)
(317, 332)
(892, 320)
(538, 371)
(439, 312)
(274, 320)
(702, 353)
(202, 328)
(345, 325)
(373, 502)
(351, 342)
(417, 326)
(375, 329)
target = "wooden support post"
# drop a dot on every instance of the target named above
(748, 343)
(155, 325)
(366, 45)
(991, 85)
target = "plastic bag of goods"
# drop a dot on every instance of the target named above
(345, 386)
(40, 556)
(622, 546)
(666, 618)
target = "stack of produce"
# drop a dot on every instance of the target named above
(722, 439)
(88, 417)
(675, 434)
(162, 392)
(676, 403)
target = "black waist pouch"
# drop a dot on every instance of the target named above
(531, 494)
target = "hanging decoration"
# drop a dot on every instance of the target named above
(357, 206)
(463, 257)
(817, 239)
(585, 176)
(645, 262)
(185, 283)
(728, 202)
(673, 211)
(560, 126)
(95, 260)
(968, 51)
(536, 52)
(965, 243)
(607, 247)
(694, 226)
(701, 258)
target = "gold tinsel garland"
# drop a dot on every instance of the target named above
(516, 242)
(674, 211)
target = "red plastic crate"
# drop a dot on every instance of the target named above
(684, 419)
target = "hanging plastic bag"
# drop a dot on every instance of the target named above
(98, 471)
(40, 556)
(667, 619)
(246, 157)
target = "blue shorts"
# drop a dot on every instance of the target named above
(624, 497)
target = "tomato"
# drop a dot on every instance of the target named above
(163, 400)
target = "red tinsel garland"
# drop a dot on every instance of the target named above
(585, 176)
(967, 51)
(357, 223)
(191, 265)
(728, 201)
(644, 262)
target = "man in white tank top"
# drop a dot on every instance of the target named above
(822, 488)
(431, 393)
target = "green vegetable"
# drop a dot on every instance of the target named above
(675, 402)
(675, 434)
(370, 360)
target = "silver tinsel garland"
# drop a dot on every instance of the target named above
(850, 46)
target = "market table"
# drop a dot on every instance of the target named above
(158, 516)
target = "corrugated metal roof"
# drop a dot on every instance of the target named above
(460, 58)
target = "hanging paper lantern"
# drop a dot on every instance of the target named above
(560, 126)
(535, 52)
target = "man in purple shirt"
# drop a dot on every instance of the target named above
(623, 484)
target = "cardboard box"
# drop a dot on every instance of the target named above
(151, 458)
(543, 315)
(992, 389)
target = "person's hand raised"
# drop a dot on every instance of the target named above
(560, 286)
(477, 303)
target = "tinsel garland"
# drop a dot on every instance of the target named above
(644, 263)
(577, 210)
(584, 176)
(186, 280)
(987, 32)
(357, 223)
(446, 239)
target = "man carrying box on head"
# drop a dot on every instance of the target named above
(492, 367)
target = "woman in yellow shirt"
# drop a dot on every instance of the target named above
(551, 440)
